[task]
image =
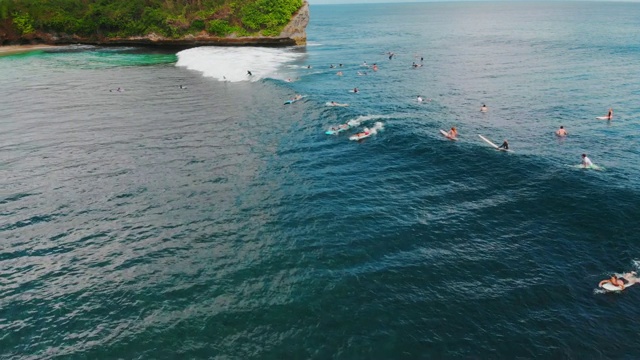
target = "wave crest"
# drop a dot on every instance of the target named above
(232, 64)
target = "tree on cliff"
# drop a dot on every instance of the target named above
(126, 18)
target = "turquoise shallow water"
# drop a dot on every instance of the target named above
(215, 222)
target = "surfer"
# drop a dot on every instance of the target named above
(182, 87)
(297, 97)
(340, 127)
(249, 73)
(420, 98)
(454, 132)
(355, 90)
(610, 114)
(375, 67)
(561, 131)
(505, 145)
(339, 73)
(364, 133)
(623, 281)
(586, 162)
(484, 108)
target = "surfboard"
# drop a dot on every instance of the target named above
(446, 134)
(291, 101)
(357, 137)
(492, 144)
(610, 287)
(336, 104)
(336, 130)
(602, 118)
(592, 167)
(378, 126)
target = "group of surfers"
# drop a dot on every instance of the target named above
(621, 282)
(586, 162)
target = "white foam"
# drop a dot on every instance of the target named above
(360, 119)
(232, 63)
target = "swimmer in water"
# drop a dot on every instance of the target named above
(610, 114)
(420, 98)
(484, 108)
(562, 131)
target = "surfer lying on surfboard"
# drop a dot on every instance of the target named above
(621, 282)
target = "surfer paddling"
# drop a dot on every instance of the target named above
(333, 103)
(621, 282)
(366, 132)
(586, 162)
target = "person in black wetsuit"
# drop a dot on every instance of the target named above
(505, 145)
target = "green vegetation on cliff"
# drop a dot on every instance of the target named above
(167, 18)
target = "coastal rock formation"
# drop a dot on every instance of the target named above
(294, 33)
(296, 30)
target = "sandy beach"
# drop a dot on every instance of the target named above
(17, 49)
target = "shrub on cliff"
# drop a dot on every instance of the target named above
(170, 18)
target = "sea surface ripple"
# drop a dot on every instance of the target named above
(193, 215)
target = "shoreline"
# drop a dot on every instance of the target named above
(19, 49)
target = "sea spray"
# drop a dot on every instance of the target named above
(234, 64)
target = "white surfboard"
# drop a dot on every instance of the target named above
(592, 167)
(446, 134)
(610, 287)
(492, 144)
(602, 118)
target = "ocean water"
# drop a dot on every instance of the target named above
(212, 221)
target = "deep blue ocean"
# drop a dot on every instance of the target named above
(212, 221)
